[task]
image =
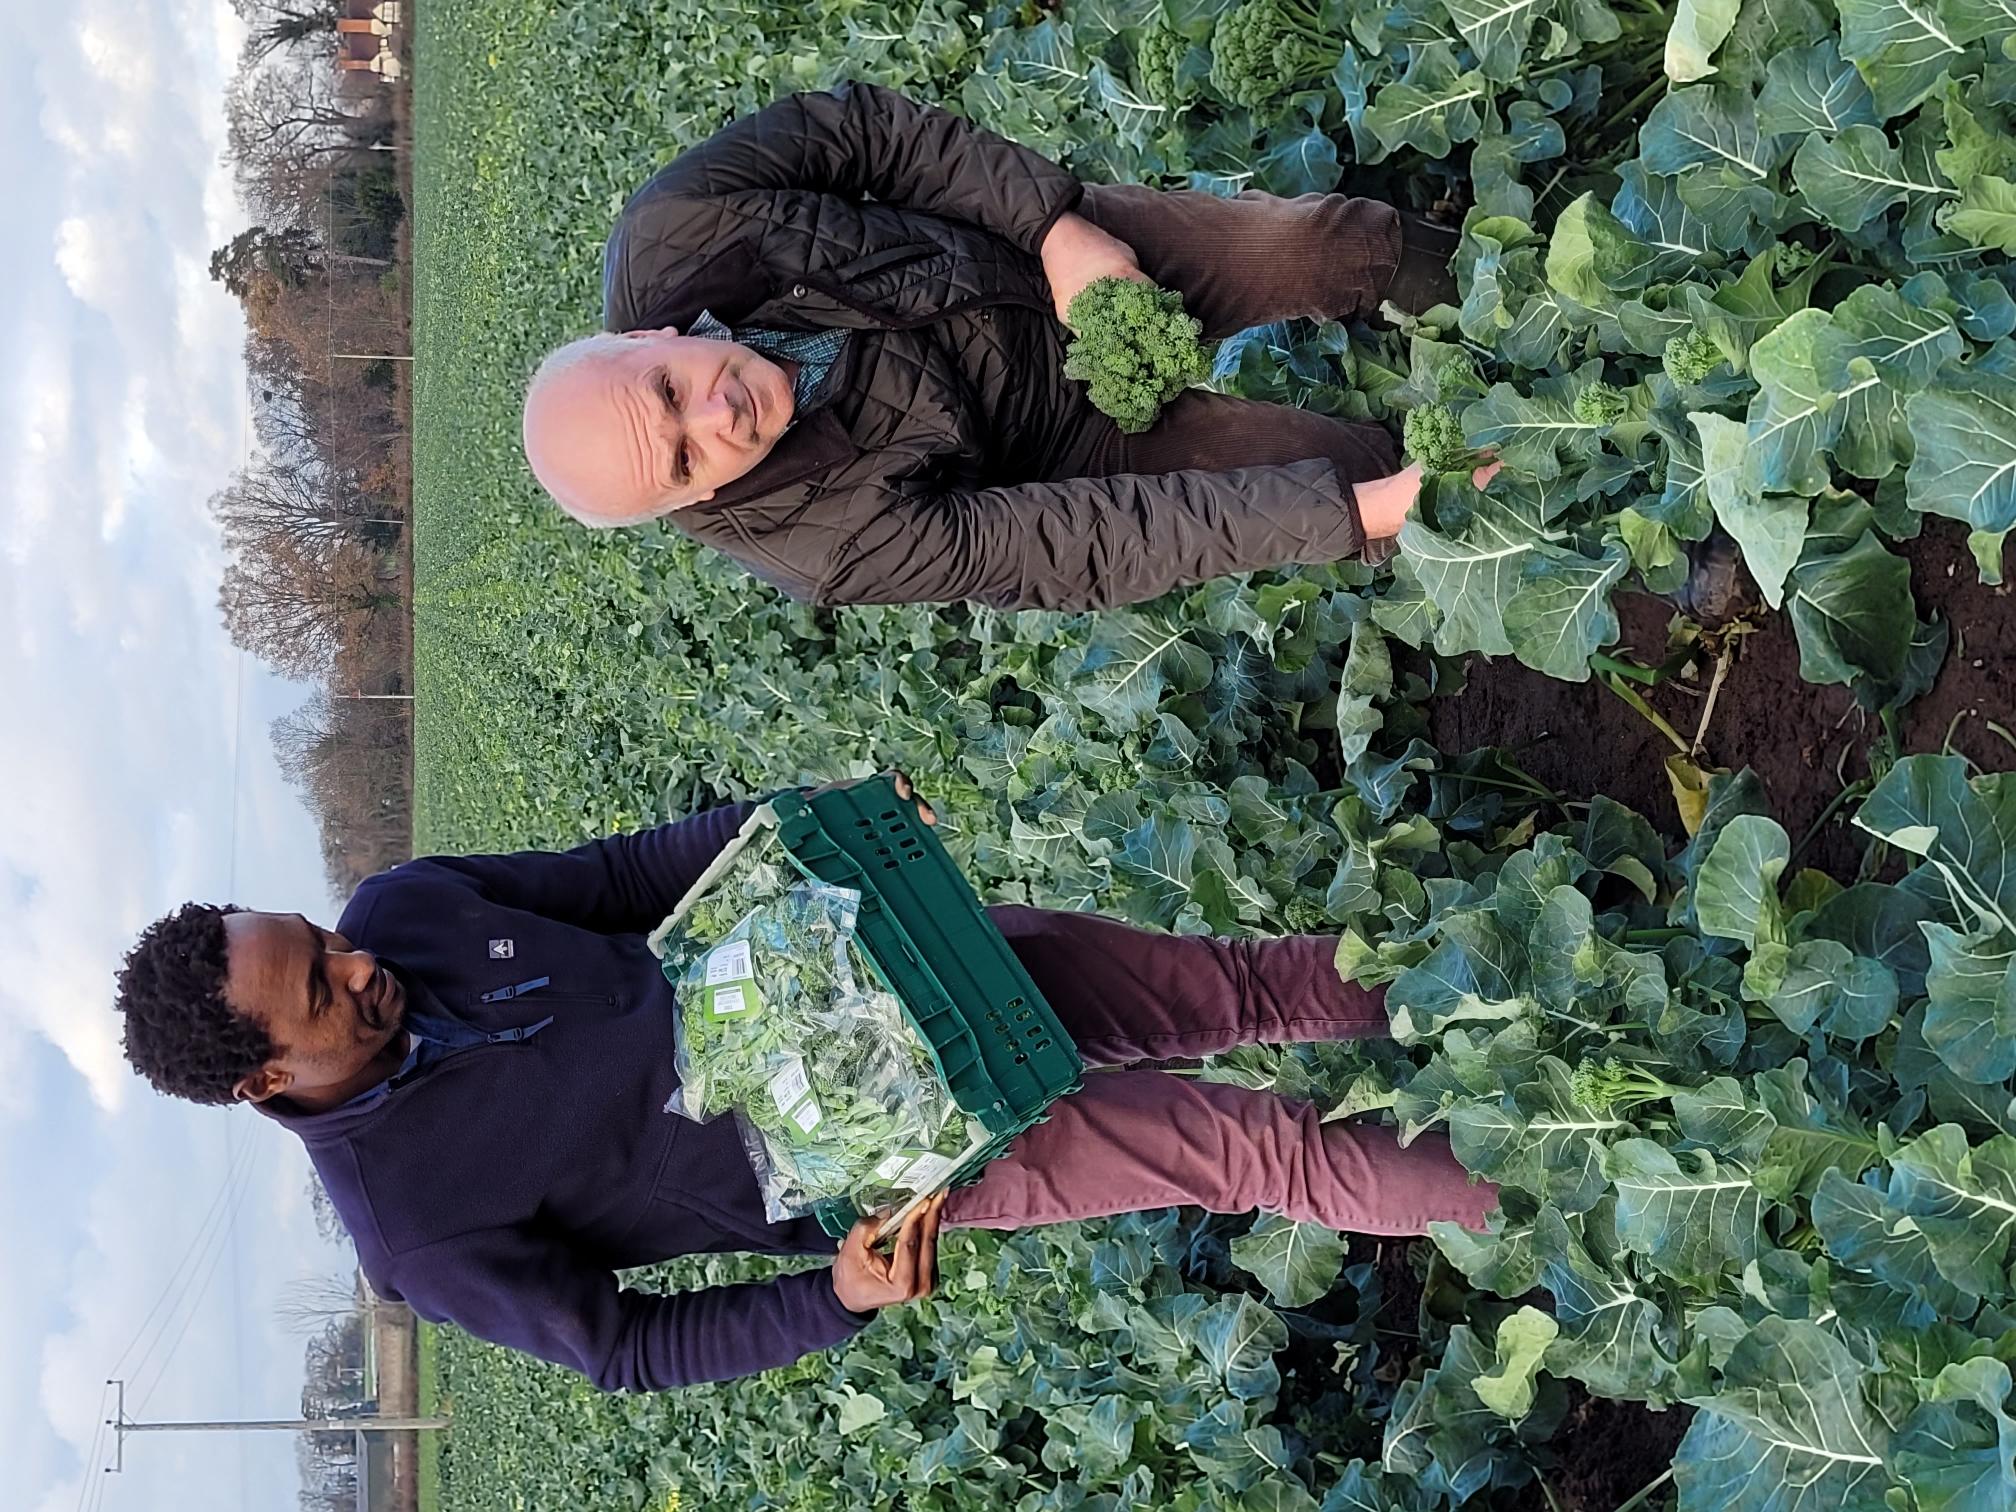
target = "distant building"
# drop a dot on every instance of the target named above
(366, 38)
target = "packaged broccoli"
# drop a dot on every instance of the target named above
(784, 1023)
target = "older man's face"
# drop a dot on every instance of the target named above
(652, 421)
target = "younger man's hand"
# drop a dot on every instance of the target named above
(866, 1280)
(1075, 253)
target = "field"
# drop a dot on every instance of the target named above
(1760, 1240)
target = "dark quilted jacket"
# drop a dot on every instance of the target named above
(943, 471)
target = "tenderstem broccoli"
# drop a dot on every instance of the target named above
(1266, 48)
(1134, 348)
(1613, 1088)
(1434, 438)
(1158, 62)
(1690, 357)
(1601, 404)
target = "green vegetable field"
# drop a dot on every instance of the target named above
(1699, 938)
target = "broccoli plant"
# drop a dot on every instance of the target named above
(1613, 1088)
(1158, 64)
(1690, 357)
(1134, 349)
(1601, 404)
(1268, 48)
(1434, 438)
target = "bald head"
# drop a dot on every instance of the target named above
(621, 428)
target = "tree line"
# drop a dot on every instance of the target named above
(315, 526)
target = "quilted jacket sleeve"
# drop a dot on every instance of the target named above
(861, 141)
(1082, 543)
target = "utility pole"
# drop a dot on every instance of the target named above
(373, 356)
(123, 1425)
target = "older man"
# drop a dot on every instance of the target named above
(835, 352)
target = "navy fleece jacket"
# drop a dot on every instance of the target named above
(500, 1188)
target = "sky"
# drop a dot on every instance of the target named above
(135, 771)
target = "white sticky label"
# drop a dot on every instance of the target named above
(790, 1087)
(806, 1116)
(927, 1171)
(730, 963)
(892, 1169)
(730, 1002)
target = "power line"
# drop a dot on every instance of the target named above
(222, 1237)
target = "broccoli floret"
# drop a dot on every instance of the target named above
(1434, 438)
(1454, 377)
(1608, 1087)
(1690, 358)
(1794, 258)
(1134, 348)
(1158, 60)
(1266, 48)
(1601, 404)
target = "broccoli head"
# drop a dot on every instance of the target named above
(1133, 348)
(1158, 61)
(1690, 358)
(1601, 404)
(1794, 258)
(1610, 1088)
(1264, 49)
(1434, 438)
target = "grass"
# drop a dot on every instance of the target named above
(432, 1400)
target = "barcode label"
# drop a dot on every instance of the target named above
(729, 1002)
(790, 1086)
(806, 1115)
(927, 1171)
(730, 963)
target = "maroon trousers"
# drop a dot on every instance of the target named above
(1136, 1139)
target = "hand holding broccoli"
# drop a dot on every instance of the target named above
(1134, 349)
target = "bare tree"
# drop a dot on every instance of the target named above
(273, 26)
(292, 605)
(313, 1303)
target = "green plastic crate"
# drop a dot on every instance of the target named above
(997, 1043)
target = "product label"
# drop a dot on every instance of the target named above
(730, 1002)
(927, 1171)
(730, 963)
(790, 1085)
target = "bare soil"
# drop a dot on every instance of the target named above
(1805, 742)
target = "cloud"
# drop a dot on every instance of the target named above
(136, 765)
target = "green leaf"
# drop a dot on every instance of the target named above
(1787, 1429)
(1439, 1423)
(1537, 1138)
(1771, 531)
(1707, 125)
(1803, 370)
(1964, 431)
(1813, 89)
(1957, 1452)
(1964, 1201)
(1609, 1328)
(1296, 1262)
(1986, 214)
(1861, 1229)
(1850, 179)
(1736, 894)
(1699, 27)
(1508, 1388)
(1537, 435)
(1903, 48)
(1238, 1338)
(1690, 1216)
(1497, 31)
(1853, 613)
(1471, 578)
(1297, 158)
(1560, 613)
(1970, 1018)
(1966, 831)
(1433, 106)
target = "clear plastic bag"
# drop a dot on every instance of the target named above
(783, 1022)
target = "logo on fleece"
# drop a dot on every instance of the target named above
(503, 950)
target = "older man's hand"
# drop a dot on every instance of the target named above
(1076, 253)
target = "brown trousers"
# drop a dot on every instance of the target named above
(1242, 262)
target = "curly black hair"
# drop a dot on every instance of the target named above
(181, 1034)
